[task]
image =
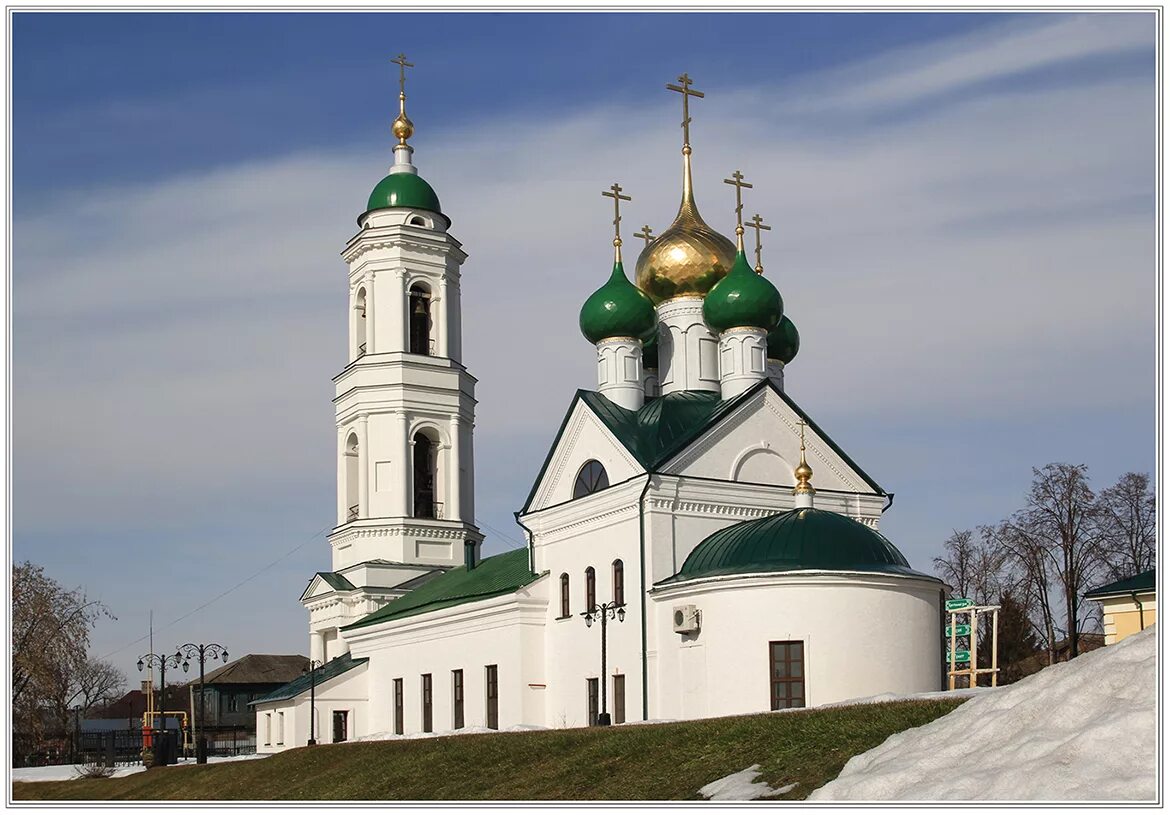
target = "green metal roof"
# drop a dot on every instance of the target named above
(799, 539)
(784, 341)
(337, 581)
(334, 667)
(665, 426)
(403, 190)
(493, 576)
(1144, 582)
(743, 299)
(618, 309)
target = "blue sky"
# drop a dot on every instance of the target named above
(964, 232)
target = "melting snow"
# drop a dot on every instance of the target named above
(742, 786)
(1079, 730)
(68, 772)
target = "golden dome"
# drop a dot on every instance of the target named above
(402, 128)
(689, 257)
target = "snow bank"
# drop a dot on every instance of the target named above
(742, 786)
(1080, 730)
(68, 772)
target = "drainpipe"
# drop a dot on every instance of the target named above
(1141, 611)
(889, 502)
(642, 593)
(531, 545)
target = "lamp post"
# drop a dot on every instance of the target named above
(605, 611)
(312, 672)
(191, 651)
(163, 662)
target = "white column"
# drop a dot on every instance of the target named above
(743, 355)
(619, 372)
(316, 646)
(370, 299)
(442, 318)
(401, 464)
(395, 304)
(455, 321)
(776, 372)
(363, 468)
(342, 509)
(687, 350)
(454, 458)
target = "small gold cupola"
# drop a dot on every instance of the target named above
(803, 491)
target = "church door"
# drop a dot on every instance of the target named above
(340, 725)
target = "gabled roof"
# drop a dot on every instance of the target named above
(334, 667)
(336, 581)
(257, 669)
(1144, 582)
(492, 576)
(665, 426)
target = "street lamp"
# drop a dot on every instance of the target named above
(163, 662)
(312, 672)
(215, 651)
(606, 611)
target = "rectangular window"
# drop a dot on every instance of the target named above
(493, 696)
(268, 728)
(427, 702)
(233, 703)
(280, 727)
(787, 673)
(399, 725)
(340, 725)
(457, 699)
(591, 691)
(619, 698)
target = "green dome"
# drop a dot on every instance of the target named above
(404, 190)
(743, 299)
(799, 539)
(650, 353)
(618, 309)
(784, 342)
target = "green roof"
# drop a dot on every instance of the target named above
(666, 425)
(403, 190)
(743, 299)
(796, 540)
(618, 309)
(1144, 582)
(784, 341)
(493, 576)
(336, 581)
(334, 667)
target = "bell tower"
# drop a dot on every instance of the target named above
(405, 406)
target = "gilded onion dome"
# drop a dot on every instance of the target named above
(784, 341)
(618, 309)
(743, 299)
(689, 257)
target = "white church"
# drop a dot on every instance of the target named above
(689, 517)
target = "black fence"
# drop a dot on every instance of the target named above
(234, 743)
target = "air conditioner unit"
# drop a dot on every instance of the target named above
(686, 619)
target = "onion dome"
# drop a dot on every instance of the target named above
(784, 341)
(618, 309)
(404, 189)
(800, 539)
(743, 299)
(689, 257)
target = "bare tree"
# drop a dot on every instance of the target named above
(1058, 539)
(1029, 578)
(1127, 516)
(957, 566)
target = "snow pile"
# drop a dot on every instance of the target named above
(68, 772)
(742, 786)
(1079, 730)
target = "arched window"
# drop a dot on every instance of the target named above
(425, 452)
(361, 330)
(590, 589)
(420, 320)
(352, 458)
(565, 610)
(590, 478)
(619, 583)
(418, 220)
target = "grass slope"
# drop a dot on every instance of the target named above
(649, 762)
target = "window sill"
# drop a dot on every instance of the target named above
(566, 617)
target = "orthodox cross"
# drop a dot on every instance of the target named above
(737, 181)
(757, 223)
(646, 234)
(615, 192)
(684, 87)
(402, 64)
(802, 424)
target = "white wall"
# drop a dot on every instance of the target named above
(346, 692)
(863, 635)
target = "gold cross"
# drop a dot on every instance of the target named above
(802, 424)
(615, 192)
(646, 233)
(685, 89)
(402, 64)
(757, 223)
(737, 181)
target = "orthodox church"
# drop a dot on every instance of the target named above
(679, 563)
